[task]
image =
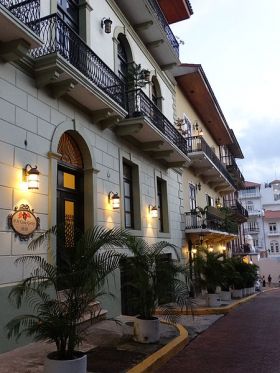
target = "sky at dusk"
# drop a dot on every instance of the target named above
(237, 42)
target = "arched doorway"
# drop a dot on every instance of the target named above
(70, 197)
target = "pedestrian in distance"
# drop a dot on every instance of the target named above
(269, 280)
(263, 281)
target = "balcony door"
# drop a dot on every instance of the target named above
(70, 199)
(68, 10)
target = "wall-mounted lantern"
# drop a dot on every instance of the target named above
(31, 177)
(114, 200)
(198, 186)
(218, 203)
(107, 24)
(153, 211)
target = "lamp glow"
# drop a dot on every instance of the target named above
(31, 176)
(114, 200)
(153, 211)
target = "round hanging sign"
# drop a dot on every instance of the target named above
(23, 222)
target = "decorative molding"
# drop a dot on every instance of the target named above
(13, 50)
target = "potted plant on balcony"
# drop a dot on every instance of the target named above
(208, 266)
(156, 286)
(56, 315)
(202, 213)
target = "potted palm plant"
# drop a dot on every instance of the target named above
(156, 286)
(208, 266)
(56, 314)
(229, 275)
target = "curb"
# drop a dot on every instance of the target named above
(160, 357)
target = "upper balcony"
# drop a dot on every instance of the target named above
(19, 31)
(149, 21)
(249, 194)
(67, 66)
(252, 230)
(148, 129)
(234, 170)
(208, 166)
(212, 224)
(240, 213)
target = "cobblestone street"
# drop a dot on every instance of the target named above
(246, 340)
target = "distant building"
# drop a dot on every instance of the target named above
(262, 202)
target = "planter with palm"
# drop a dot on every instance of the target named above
(56, 315)
(208, 266)
(156, 285)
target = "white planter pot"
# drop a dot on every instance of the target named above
(213, 300)
(225, 295)
(237, 293)
(78, 365)
(146, 331)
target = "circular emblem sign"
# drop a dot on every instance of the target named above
(23, 222)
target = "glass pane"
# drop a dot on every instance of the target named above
(127, 189)
(69, 181)
(69, 223)
(127, 205)
(128, 220)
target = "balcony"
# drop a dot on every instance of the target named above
(148, 129)
(148, 20)
(211, 226)
(252, 230)
(67, 66)
(273, 233)
(244, 194)
(208, 166)
(18, 30)
(234, 170)
(240, 213)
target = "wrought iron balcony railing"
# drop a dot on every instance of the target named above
(172, 39)
(209, 222)
(198, 144)
(251, 230)
(234, 204)
(27, 11)
(60, 38)
(140, 105)
(232, 166)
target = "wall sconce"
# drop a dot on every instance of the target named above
(31, 176)
(153, 211)
(145, 75)
(195, 126)
(200, 133)
(218, 203)
(114, 200)
(211, 249)
(107, 24)
(194, 251)
(198, 186)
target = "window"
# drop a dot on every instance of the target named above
(192, 196)
(276, 247)
(163, 224)
(128, 196)
(156, 93)
(253, 226)
(131, 196)
(69, 12)
(272, 247)
(209, 200)
(272, 227)
(122, 61)
(256, 242)
(249, 206)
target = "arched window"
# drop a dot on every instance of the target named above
(124, 57)
(156, 93)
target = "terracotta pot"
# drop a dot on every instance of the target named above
(78, 365)
(146, 331)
